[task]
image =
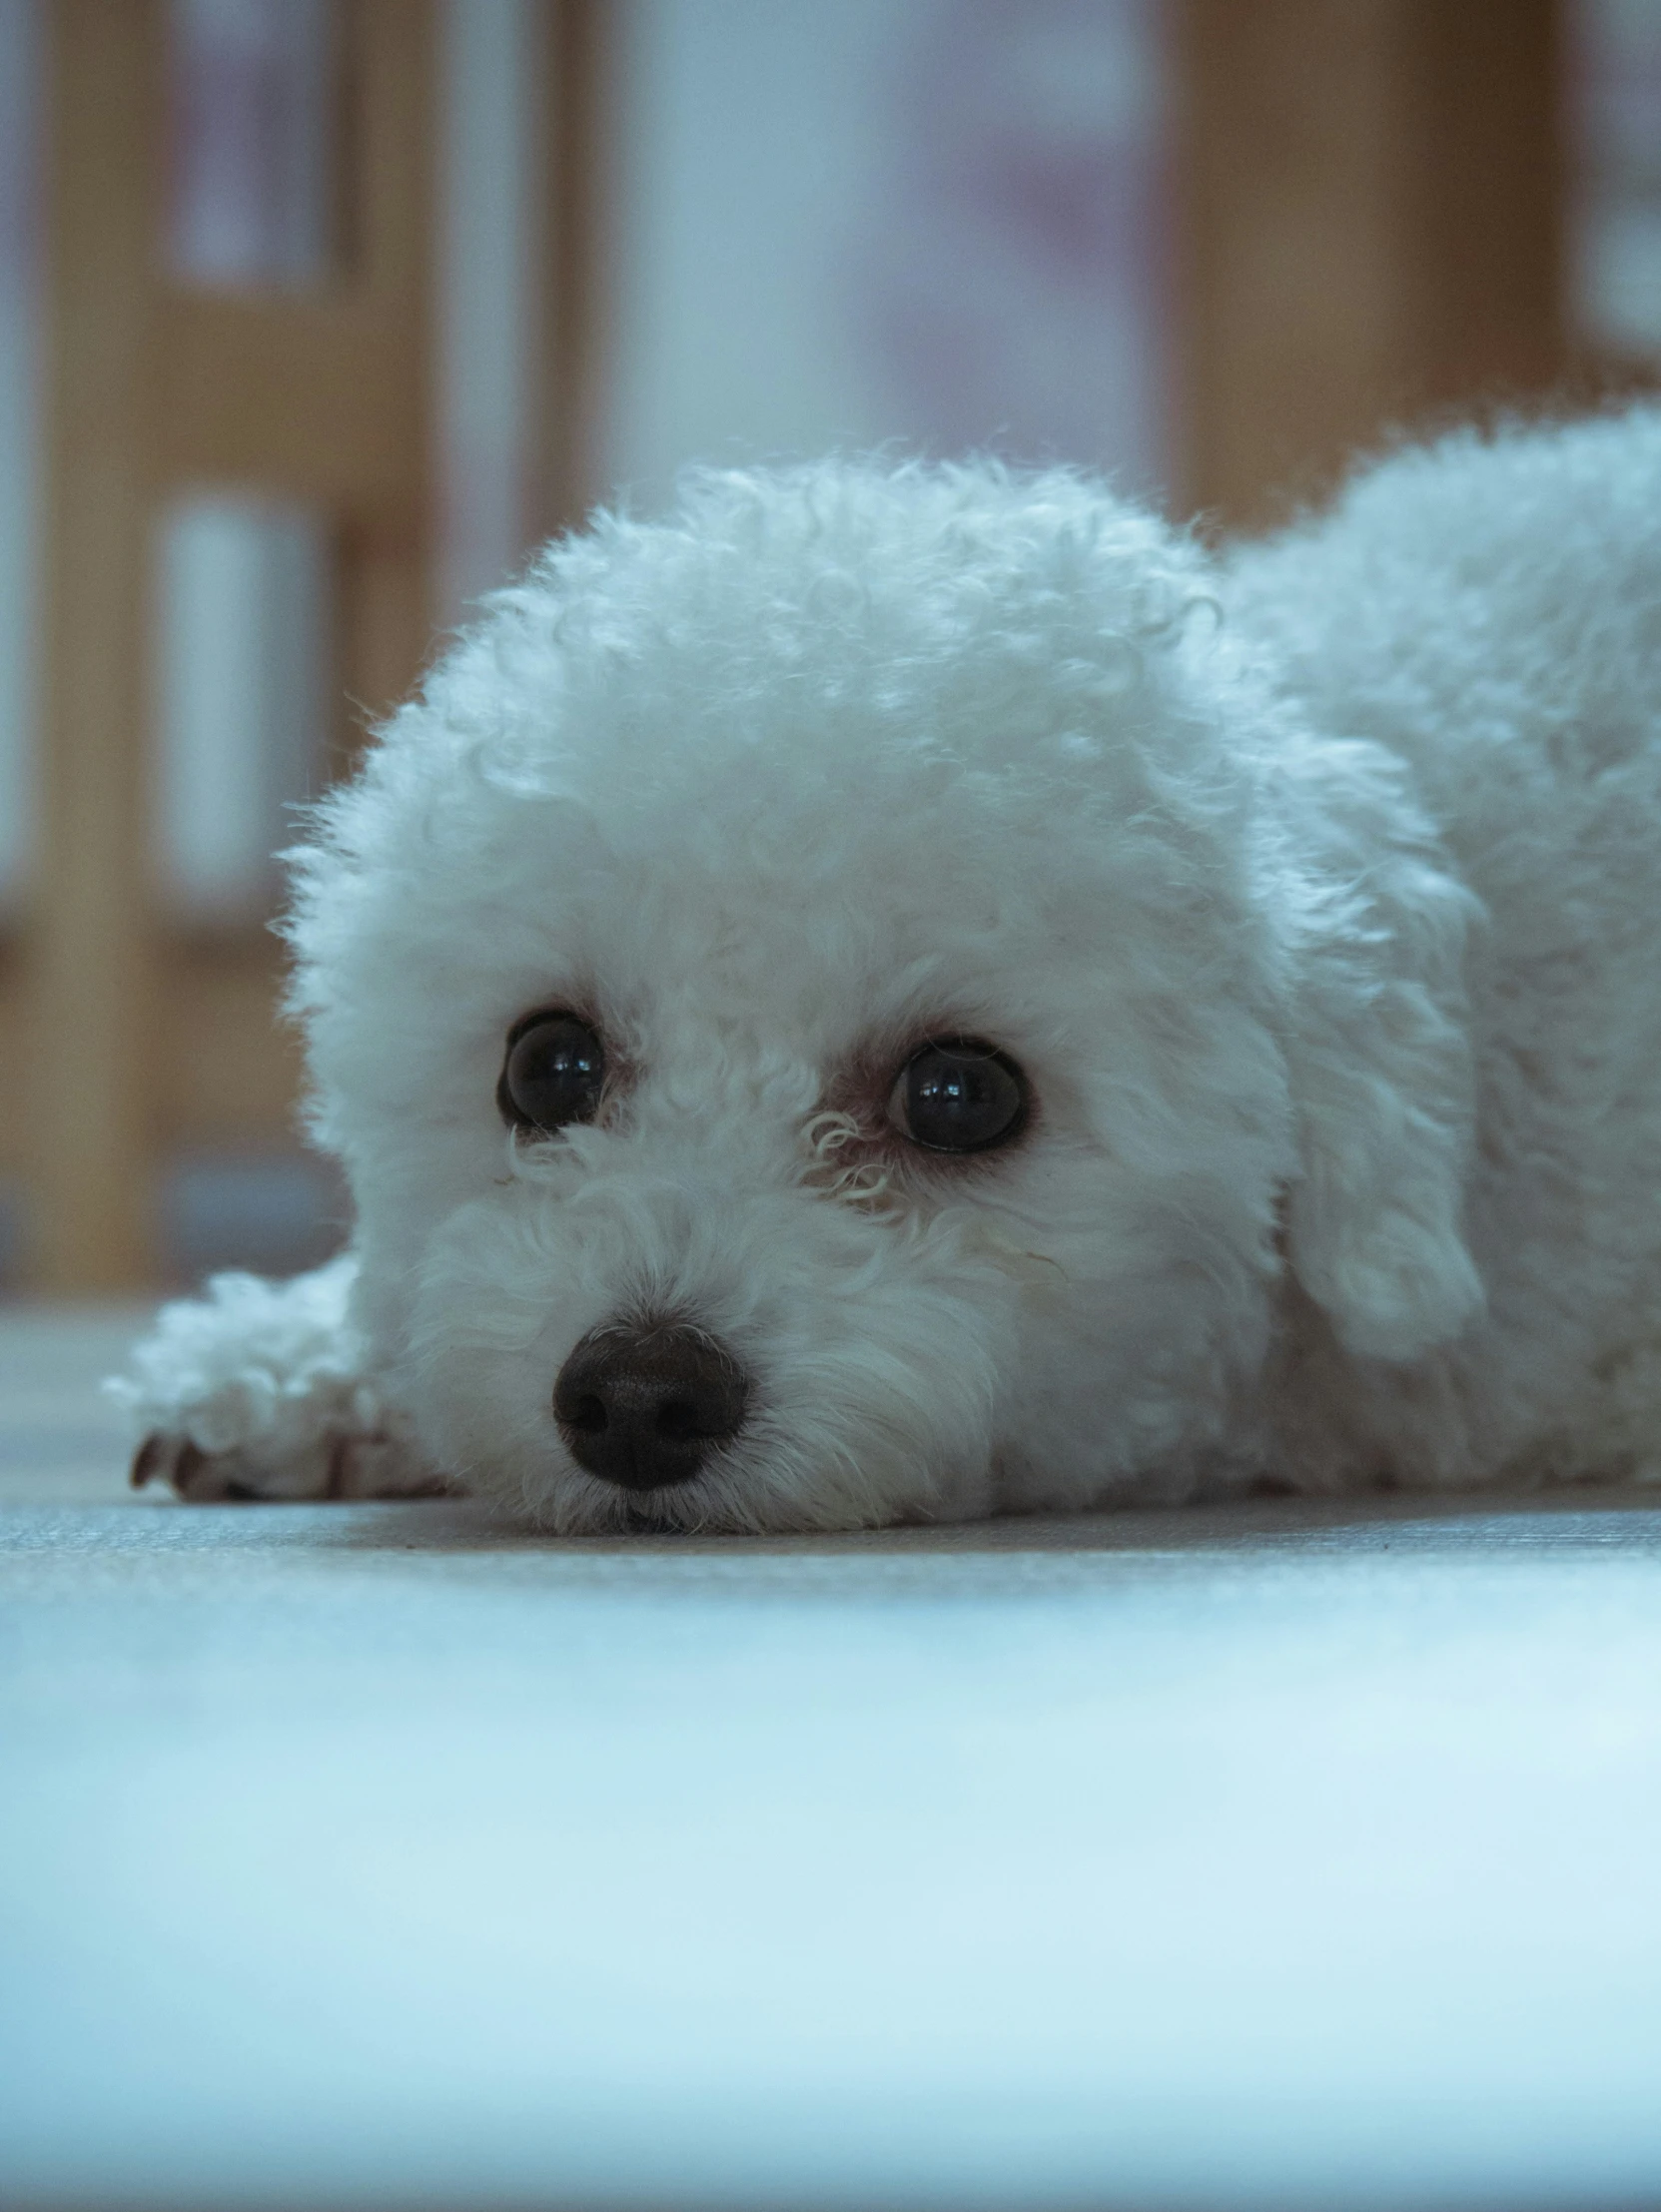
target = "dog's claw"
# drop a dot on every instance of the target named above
(170, 1459)
(147, 1461)
(178, 1462)
(345, 1467)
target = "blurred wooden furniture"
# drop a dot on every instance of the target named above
(574, 65)
(1370, 216)
(321, 396)
(1369, 200)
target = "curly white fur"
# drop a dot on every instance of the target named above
(1315, 887)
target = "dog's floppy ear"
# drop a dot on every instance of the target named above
(1378, 1052)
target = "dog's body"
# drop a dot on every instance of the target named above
(1298, 914)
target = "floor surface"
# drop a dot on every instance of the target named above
(1291, 1856)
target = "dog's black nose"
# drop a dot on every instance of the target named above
(646, 1405)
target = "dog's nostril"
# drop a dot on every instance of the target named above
(646, 1406)
(680, 1419)
(587, 1413)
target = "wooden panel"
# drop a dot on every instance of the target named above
(141, 1042)
(92, 1126)
(1370, 209)
(316, 399)
(14, 1063)
(573, 68)
(386, 555)
(227, 1067)
(386, 632)
(1492, 197)
(392, 61)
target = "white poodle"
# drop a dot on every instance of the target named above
(907, 993)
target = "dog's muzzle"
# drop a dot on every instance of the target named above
(645, 1404)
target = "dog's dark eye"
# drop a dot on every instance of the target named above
(554, 1072)
(959, 1096)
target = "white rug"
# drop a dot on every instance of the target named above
(371, 1855)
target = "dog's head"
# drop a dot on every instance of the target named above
(810, 1001)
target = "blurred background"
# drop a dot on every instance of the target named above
(315, 315)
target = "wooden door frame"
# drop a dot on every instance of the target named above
(1371, 202)
(155, 390)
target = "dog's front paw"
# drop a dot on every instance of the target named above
(335, 1465)
(259, 1390)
